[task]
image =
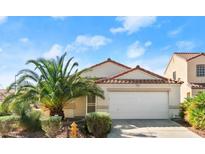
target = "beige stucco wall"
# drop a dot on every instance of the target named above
(192, 70)
(106, 70)
(195, 91)
(137, 74)
(76, 107)
(179, 65)
(172, 89)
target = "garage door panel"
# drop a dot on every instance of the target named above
(138, 105)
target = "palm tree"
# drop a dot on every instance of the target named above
(52, 83)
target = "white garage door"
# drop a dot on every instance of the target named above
(138, 105)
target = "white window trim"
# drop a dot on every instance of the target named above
(197, 70)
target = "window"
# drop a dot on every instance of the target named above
(91, 103)
(174, 75)
(200, 70)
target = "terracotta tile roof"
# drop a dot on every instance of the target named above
(161, 80)
(198, 85)
(188, 55)
(137, 81)
(139, 68)
(112, 61)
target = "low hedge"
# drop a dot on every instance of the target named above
(98, 123)
(9, 124)
(51, 125)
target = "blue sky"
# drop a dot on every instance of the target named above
(145, 41)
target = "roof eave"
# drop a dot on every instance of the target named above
(202, 54)
(112, 61)
(139, 68)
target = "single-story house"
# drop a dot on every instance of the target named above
(130, 93)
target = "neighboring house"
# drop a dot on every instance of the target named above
(130, 93)
(3, 94)
(189, 68)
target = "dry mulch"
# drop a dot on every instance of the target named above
(63, 133)
(188, 126)
(38, 134)
(20, 133)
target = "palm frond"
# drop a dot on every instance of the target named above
(57, 82)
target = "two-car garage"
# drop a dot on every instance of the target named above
(138, 105)
(140, 94)
(135, 93)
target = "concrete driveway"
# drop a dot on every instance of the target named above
(149, 128)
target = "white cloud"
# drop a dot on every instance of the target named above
(81, 43)
(59, 17)
(56, 50)
(148, 43)
(133, 24)
(85, 42)
(92, 41)
(3, 19)
(175, 32)
(24, 40)
(154, 64)
(136, 50)
(185, 45)
(165, 48)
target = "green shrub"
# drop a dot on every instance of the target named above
(8, 124)
(4, 109)
(31, 120)
(98, 123)
(194, 110)
(196, 116)
(51, 125)
(20, 107)
(200, 99)
(184, 106)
